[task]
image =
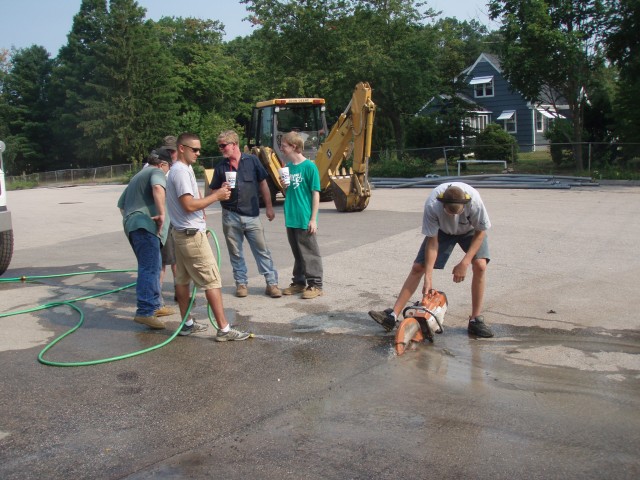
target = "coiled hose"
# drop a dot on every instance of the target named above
(71, 304)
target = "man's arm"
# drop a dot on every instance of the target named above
(460, 270)
(430, 255)
(315, 204)
(266, 196)
(191, 204)
(159, 196)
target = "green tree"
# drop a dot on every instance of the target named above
(397, 55)
(133, 100)
(257, 84)
(75, 71)
(211, 82)
(300, 43)
(5, 67)
(25, 109)
(460, 43)
(551, 48)
(324, 47)
(623, 48)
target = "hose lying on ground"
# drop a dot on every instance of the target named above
(71, 304)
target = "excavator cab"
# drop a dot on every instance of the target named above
(273, 118)
(351, 134)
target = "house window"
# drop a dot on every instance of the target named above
(539, 122)
(544, 118)
(478, 122)
(509, 118)
(482, 86)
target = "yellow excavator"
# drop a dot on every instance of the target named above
(350, 135)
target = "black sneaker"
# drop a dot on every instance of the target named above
(478, 328)
(384, 318)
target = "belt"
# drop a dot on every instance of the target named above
(188, 231)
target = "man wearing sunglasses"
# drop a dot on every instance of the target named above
(454, 214)
(241, 213)
(194, 258)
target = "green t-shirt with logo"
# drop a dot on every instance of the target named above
(304, 180)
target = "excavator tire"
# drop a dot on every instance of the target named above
(6, 250)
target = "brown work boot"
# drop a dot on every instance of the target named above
(164, 312)
(151, 322)
(273, 291)
(241, 291)
(311, 292)
(293, 289)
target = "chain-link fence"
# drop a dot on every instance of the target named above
(445, 160)
(112, 173)
(451, 159)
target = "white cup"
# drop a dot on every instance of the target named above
(231, 179)
(284, 175)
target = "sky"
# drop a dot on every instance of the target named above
(47, 22)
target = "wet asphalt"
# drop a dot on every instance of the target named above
(319, 393)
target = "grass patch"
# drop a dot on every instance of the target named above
(22, 185)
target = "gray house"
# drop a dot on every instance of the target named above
(490, 99)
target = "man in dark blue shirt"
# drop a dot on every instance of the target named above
(241, 213)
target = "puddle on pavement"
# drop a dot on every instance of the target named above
(615, 353)
(278, 338)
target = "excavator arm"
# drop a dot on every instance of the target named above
(350, 134)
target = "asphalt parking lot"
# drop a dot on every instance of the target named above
(319, 393)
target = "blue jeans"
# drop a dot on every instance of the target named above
(146, 247)
(236, 227)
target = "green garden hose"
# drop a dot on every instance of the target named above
(70, 304)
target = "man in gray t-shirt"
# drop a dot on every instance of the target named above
(454, 214)
(194, 258)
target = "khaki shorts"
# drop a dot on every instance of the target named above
(168, 250)
(195, 261)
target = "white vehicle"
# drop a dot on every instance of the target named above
(6, 230)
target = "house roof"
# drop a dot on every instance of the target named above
(443, 99)
(493, 60)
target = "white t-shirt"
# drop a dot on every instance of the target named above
(182, 181)
(473, 217)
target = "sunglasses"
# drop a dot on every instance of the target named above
(194, 150)
(222, 146)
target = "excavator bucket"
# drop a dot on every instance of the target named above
(351, 193)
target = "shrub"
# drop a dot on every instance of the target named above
(388, 164)
(561, 151)
(493, 143)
